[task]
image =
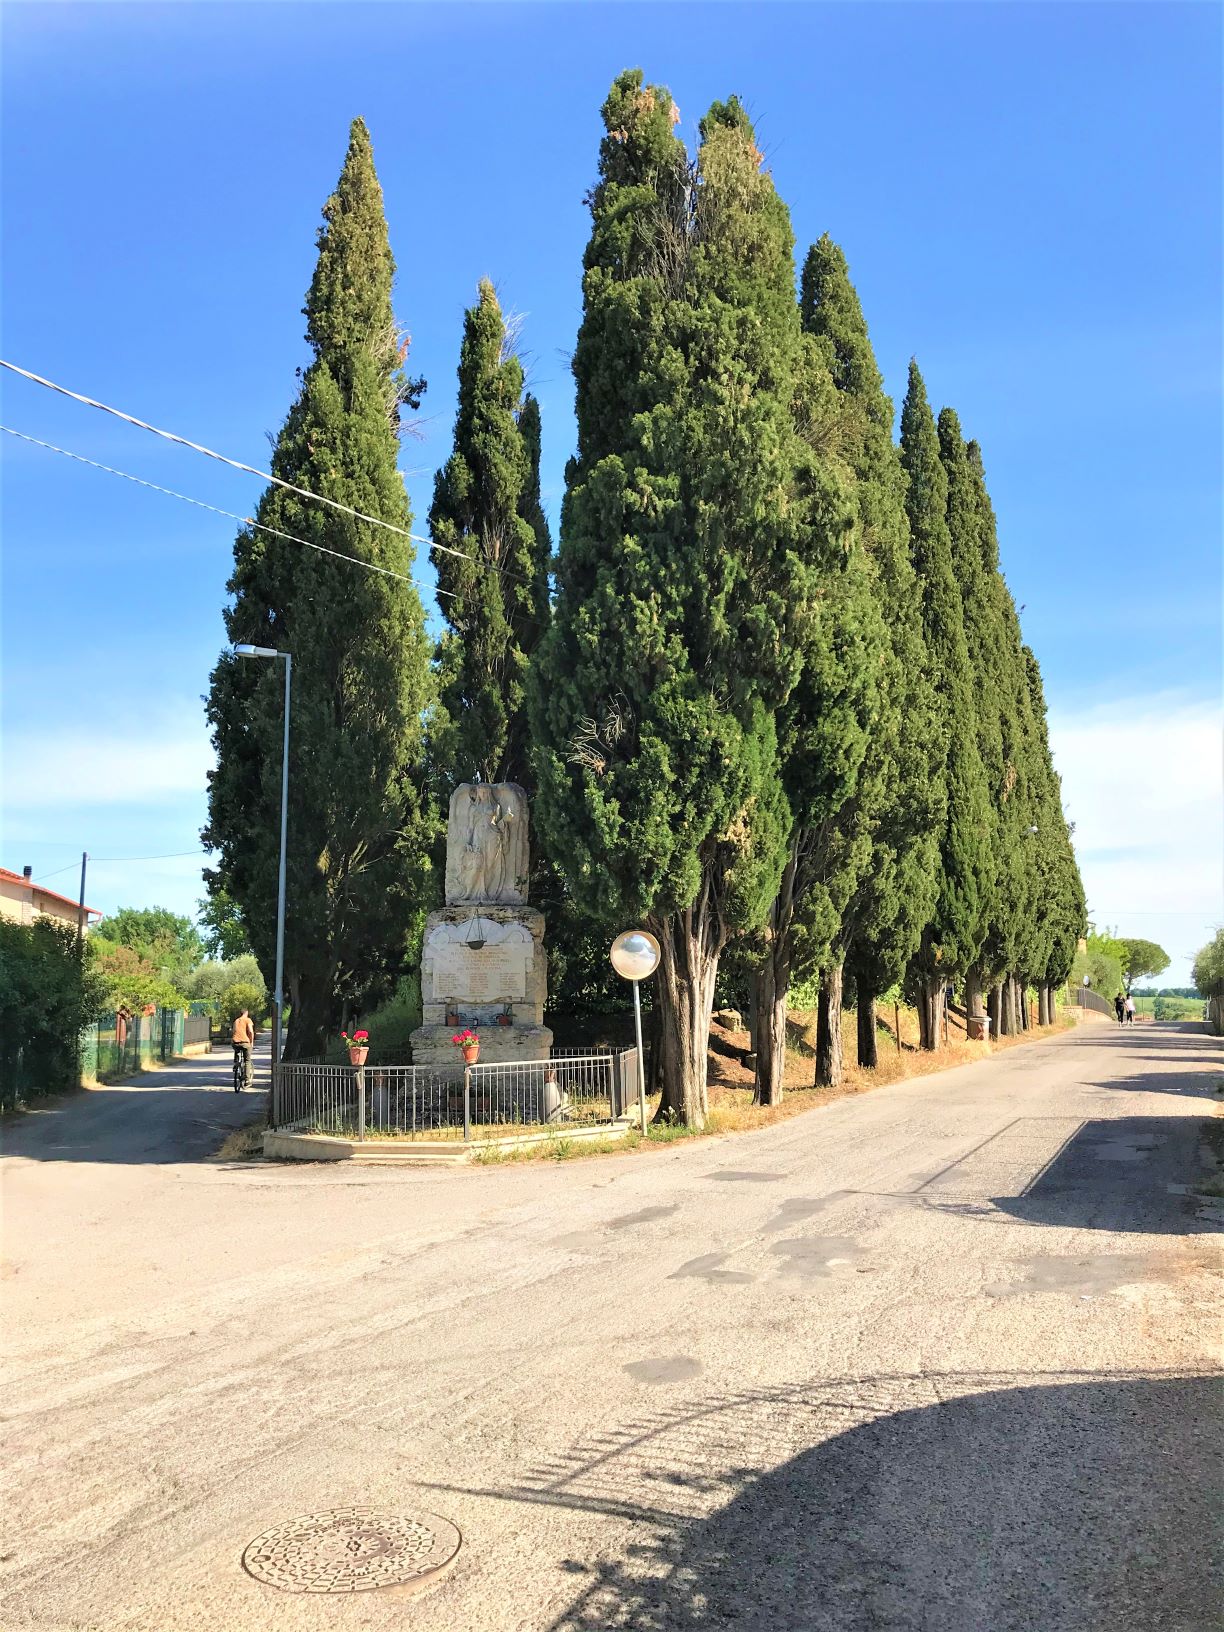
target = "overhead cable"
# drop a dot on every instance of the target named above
(251, 470)
(231, 515)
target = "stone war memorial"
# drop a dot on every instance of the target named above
(482, 961)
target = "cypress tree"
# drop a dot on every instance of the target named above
(491, 550)
(898, 799)
(361, 678)
(1061, 907)
(655, 690)
(1015, 922)
(825, 726)
(952, 937)
(994, 700)
(531, 509)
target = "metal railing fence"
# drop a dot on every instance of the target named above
(1085, 998)
(456, 1101)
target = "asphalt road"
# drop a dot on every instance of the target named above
(941, 1357)
(180, 1113)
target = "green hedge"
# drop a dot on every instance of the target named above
(46, 1000)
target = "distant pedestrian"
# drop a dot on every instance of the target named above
(1120, 1008)
(1130, 1010)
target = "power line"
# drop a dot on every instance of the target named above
(230, 515)
(173, 855)
(251, 470)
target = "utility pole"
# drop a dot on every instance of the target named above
(81, 908)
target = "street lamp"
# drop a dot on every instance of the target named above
(635, 956)
(278, 997)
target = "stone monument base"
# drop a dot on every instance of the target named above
(506, 976)
(431, 1045)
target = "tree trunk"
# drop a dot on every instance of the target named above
(994, 1007)
(652, 1041)
(973, 993)
(929, 988)
(771, 988)
(829, 1059)
(1011, 1014)
(1022, 1005)
(1044, 1017)
(865, 1009)
(691, 943)
(309, 999)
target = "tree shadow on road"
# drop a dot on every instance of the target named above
(1121, 1174)
(1066, 1504)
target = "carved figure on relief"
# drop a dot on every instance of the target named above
(486, 844)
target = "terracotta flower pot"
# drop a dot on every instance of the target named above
(357, 1056)
(471, 1053)
(503, 1020)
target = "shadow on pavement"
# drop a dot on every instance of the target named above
(1068, 1504)
(1115, 1175)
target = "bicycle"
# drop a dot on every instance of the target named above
(239, 1069)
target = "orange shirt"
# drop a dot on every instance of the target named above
(244, 1031)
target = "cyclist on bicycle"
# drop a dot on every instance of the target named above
(243, 1040)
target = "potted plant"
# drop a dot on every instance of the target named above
(468, 1042)
(504, 1019)
(358, 1046)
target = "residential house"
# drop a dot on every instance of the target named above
(22, 901)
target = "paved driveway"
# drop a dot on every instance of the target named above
(940, 1357)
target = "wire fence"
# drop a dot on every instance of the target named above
(461, 1102)
(196, 1028)
(118, 1045)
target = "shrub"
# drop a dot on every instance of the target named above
(47, 998)
(243, 994)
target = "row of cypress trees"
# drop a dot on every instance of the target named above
(784, 695)
(775, 693)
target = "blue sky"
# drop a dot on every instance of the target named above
(1029, 197)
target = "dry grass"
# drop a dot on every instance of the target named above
(243, 1144)
(731, 1107)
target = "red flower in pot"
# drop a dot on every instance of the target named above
(469, 1044)
(358, 1046)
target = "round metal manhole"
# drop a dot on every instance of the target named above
(352, 1549)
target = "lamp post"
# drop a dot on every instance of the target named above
(278, 997)
(635, 956)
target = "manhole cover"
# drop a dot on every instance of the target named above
(350, 1549)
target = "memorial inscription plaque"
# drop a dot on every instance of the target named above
(486, 976)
